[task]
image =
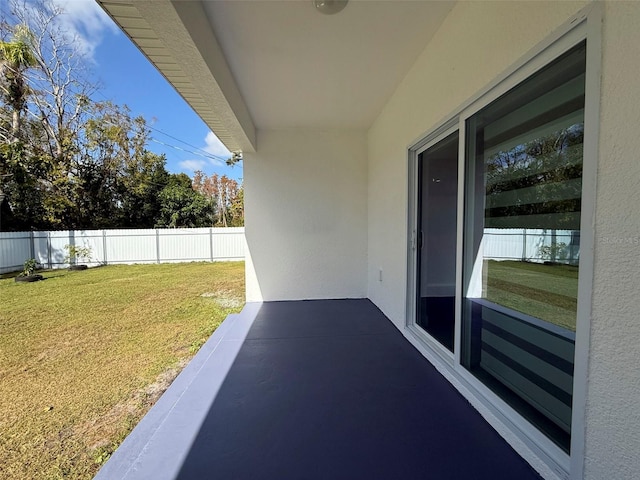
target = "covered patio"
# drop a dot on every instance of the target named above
(359, 131)
(314, 390)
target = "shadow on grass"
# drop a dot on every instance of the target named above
(46, 273)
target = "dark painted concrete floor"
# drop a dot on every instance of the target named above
(331, 390)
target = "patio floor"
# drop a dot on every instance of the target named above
(325, 389)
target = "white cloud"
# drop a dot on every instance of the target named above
(215, 147)
(84, 23)
(212, 146)
(193, 165)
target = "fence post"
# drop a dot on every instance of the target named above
(104, 247)
(524, 244)
(158, 245)
(49, 261)
(32, 247)
(211, 243)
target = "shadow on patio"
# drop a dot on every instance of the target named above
(324, 389)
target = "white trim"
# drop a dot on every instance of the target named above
(587, 238)
(436, 347)
(530, 443)
(462, 171)
(436, 135)
(412, 225)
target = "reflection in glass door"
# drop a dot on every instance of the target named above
(437, 210)
(524, 180)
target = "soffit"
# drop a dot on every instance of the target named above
(191, 60)
(253, 64)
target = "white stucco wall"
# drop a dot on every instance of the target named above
(477, 42)
(613, 401)
(306, 215)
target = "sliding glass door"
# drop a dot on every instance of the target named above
(504, 266)
(437, 214)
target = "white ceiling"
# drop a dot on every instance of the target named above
(298, 68)
(249, 64)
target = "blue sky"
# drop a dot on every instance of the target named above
(127, 77)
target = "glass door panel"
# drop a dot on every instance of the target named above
(522, 243)
(437, 216)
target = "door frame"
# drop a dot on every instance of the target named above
(447, 128)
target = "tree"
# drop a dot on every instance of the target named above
(69, 162)
(542, 180)
(16, 57)
(116, 170)
(236, 209)
(142, 185)
(56, 97)
(61, 89)
(227, 194)
(182, 206)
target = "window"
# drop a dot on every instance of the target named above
(523, 183)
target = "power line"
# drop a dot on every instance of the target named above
(196, 150)
(204, 153)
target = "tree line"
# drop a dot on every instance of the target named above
(70, 162)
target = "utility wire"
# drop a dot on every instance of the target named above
(195, 150)
(204, 153)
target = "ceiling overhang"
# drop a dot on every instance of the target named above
(274, 64)
(191, 59)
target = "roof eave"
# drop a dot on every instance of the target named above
(178, 39)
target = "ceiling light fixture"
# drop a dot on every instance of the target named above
(329, 7)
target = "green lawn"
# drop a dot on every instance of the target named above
(84, 355)
(547, 292)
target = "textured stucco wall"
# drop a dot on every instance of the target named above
(306, 215)
(613, 401)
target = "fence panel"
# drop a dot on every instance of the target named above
(532, 245)
(185, 244)
(15, 248)
(122, 246)
(228, 243)
(224, 244)
(132, 246)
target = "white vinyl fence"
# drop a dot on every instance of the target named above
(171, 245)
(226, 244)
(532, 245)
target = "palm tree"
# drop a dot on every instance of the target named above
(16, 57)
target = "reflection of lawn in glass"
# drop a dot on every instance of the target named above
(547, 292)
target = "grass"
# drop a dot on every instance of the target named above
(84, 355)
(547, 292)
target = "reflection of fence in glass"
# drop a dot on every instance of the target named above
(532, 245)
(122, 246)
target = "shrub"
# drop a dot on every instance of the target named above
(75, 252)
(29, 267)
